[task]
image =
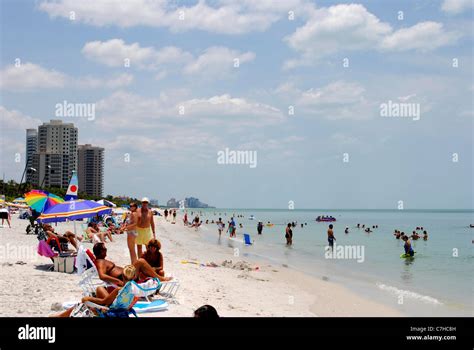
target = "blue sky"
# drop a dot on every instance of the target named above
(189, 63)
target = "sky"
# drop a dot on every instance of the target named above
(298, 84)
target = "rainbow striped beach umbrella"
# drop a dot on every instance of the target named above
(73, 210)
(41, 200)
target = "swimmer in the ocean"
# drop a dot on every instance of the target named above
(408, 247)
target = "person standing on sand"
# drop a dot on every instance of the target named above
(174, 217)
(331, 237)
(166, 214)
(130, 227)
(5, 215)
(185, 218)
(220, 226)
(145, 225)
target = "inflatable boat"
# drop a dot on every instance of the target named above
(325, 219)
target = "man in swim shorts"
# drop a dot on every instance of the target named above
(331, 237)
(145, 226)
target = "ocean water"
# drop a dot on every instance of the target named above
(437, 282)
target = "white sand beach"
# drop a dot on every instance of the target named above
(234, 288)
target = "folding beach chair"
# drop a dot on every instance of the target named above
(86, 239)
(169, 289)
(90, 279)
(120, 308)
(128, 296)
(247, 240)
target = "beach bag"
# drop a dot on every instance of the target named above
(64, 264)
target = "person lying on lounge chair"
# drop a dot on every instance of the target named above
(111, 273)
(93, 229)
(105, 298)
(154, 257)
(113, 229)
(67, 237)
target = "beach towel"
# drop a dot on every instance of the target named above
(81, 260)
(150, 306)
(45, 250)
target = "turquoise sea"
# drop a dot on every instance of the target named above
(438, 281)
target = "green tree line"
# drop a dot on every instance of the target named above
(11, 190)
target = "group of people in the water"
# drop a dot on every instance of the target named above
(367, 229)
(414, 236)
(409, 252)
(418, 233)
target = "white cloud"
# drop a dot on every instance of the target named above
(336, 100)
(422, 36)
(217, 62)
(132, 111)
(227, 17)
(126, 110)
(114, 52)
(30, 76)
(119, 81)
(172, 144)
(333, 29)
(13, 120)
(12, 136)
(214, 62)
(455, 7)
(226, 109)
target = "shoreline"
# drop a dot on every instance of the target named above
(233, 288)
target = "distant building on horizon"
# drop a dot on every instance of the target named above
(172, 203)
(55, 157)
(189, 202)
(90, 169)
